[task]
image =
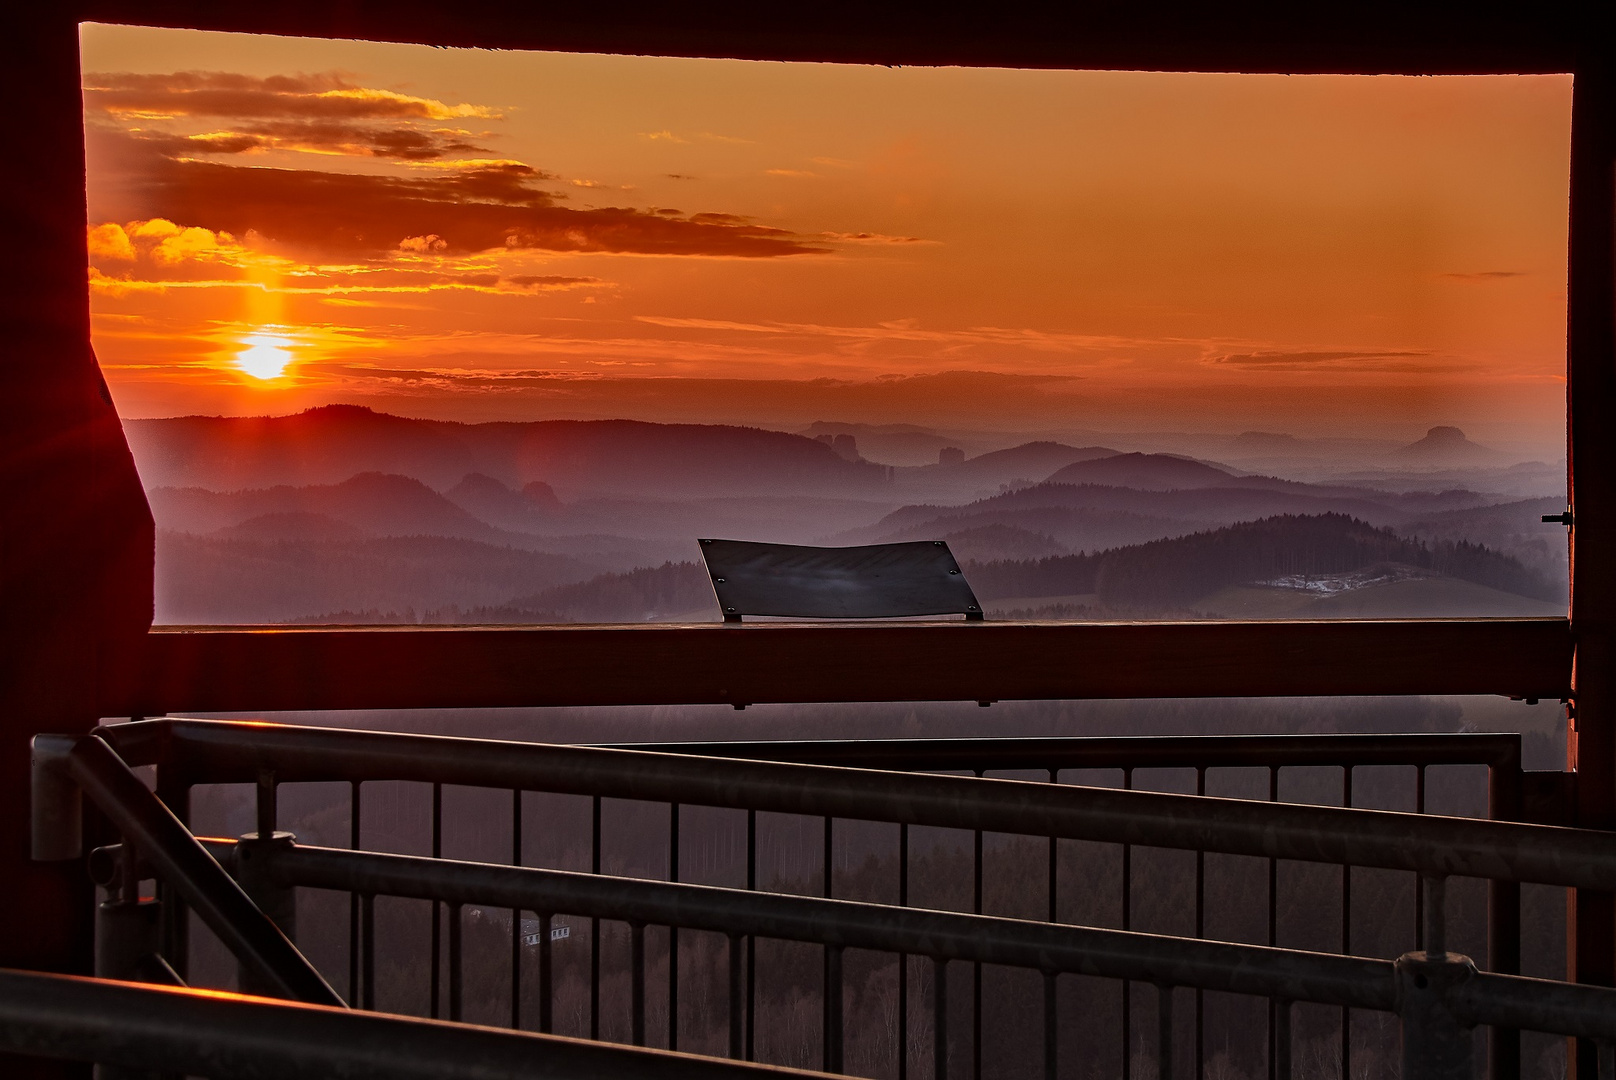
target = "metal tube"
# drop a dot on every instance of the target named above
(751, 943)
(903, 958)
(1051, 1028)
(1248, 969)
(1273, 911)
(1127, 922)
(456, 929)
(367, 922)
(737, 987)
(1436, 919)
(1164, 1033)
(1280, 1050)
(636, 936)
(594, 924)
(1504, 782)
(197, 1032)
(1346, 930)
(1437, 1042)
(177, 857)
(1200, 932)
(673, 931)
(976, 968)
(268, 812)
(1452, 846)
(833, 1011)
(546, 976)
(516, 913)
(434, 967)
(353, 898)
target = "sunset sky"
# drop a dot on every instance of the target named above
(279, 223)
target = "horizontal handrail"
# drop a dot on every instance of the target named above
(1043, 753)
(218, 1034)
(1287, 974)
(227, 752)
(168, 846)
(224, 669)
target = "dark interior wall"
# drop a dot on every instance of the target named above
(75, 551)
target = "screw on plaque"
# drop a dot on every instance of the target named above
(953, 571)
(720, 581)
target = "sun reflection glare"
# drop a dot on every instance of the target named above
(264, 357)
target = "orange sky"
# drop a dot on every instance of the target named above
(477, 235)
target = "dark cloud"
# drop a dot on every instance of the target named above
(1332, 360)
(550, 281)
(462, 210)
(218, 93)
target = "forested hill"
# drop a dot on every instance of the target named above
(1179, 571)
(1147, 579)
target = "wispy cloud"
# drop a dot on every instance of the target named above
(1486, 275)
(1334, 360)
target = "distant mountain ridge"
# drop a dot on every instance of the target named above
(327, 445)
(1175, 573)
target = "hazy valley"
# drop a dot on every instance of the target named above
(341, 514)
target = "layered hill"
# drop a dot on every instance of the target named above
(329, 444)
(1286, 551)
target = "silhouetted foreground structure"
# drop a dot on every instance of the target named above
(78, 543)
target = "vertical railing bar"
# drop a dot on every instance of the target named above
(1419, 880)
(268, 812)
(367, 951)
(1051, 1030)
(1346, 929)
(636, 933)
(737, 987)
(1200, 932)
(1504, 782)
(830, 957)
(1273, 911)
(1436, 916)
(939, 1023)
(673, 931)
(1279, 1050)
(976, 966)
(353, 897)
(594, 928)
(1127, 924)
(751, 942)
(1164, 1033)
(903, 958)
(435, 974)
(833, 1014)
(456, 967)
(175, 792)
(546, 976)
(1054, 865)
(516, 913)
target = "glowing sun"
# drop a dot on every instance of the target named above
(264, 357)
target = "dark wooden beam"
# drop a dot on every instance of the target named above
(1257, 35)
(1591, 394)
(266, 670)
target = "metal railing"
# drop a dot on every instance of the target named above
(189, 751)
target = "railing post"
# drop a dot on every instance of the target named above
(1436, 1045)
(255, 856)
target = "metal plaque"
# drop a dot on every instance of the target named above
(877, 581)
